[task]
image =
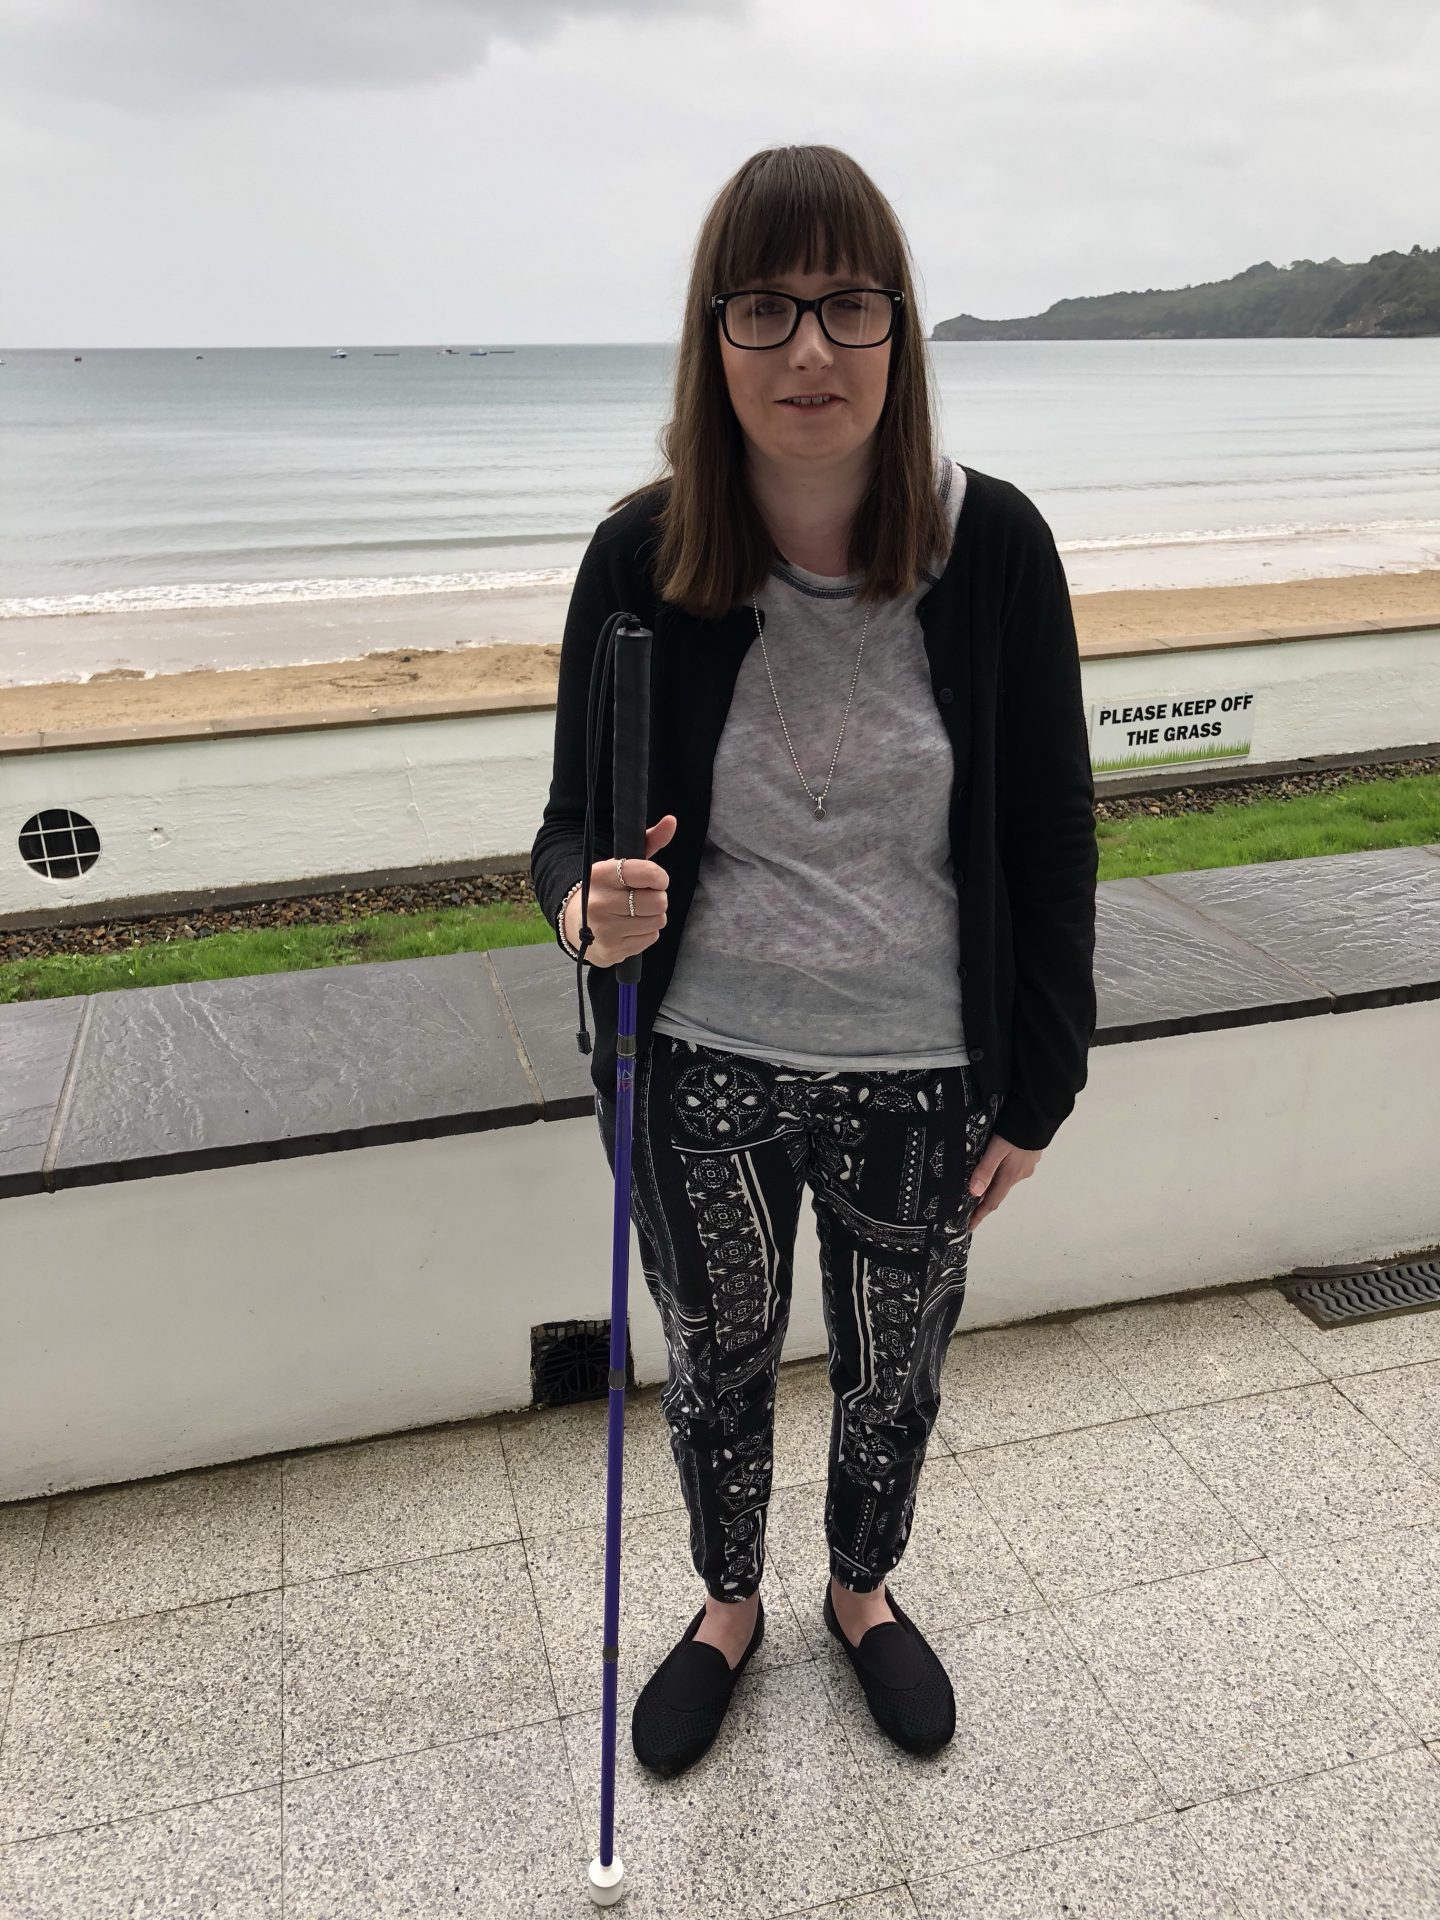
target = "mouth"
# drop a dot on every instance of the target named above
(810, 403)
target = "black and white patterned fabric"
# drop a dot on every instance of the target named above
(724, 1147)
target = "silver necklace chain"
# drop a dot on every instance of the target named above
(818, 798)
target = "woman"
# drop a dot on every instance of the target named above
(874, 828)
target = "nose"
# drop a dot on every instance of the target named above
(810, 337)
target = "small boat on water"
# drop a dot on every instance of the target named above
(478, 353)
(339, 354)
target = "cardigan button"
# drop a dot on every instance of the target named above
(945, 696)
(977, 1053)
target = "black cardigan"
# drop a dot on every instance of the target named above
(1005, 671)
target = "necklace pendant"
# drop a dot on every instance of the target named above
(819, 807)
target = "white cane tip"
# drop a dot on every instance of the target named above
(606, 1883)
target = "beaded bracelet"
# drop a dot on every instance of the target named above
(560, 923)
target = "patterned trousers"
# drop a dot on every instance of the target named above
(723, 1147)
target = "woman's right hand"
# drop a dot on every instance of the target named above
(617, 935)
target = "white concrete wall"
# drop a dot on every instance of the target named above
(177, 1322)
(287, 806)
(261, 809)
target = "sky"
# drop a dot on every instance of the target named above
(211, 173)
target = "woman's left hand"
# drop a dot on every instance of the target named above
(1000, 1167)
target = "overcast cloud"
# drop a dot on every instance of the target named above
(280, 172)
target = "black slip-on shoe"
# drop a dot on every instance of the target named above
(908, 1691)
(681, 1706)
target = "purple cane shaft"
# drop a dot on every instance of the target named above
(619, 1316)
(630, 761)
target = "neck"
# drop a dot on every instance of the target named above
(810, 510)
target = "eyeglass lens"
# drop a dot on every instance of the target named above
(853, 319)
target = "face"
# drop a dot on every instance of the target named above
(809, 438)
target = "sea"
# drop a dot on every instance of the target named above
(148, 481)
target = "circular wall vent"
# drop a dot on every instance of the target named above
(59, 843)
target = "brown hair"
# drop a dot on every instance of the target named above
(802, 209)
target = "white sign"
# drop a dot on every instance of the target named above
(1170, 728)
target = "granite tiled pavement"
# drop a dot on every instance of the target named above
(1179, 1558)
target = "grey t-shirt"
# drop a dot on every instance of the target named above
(828, 942)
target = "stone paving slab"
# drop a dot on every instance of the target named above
(171, 1079)
(1193, 1643)
(1356, 929)
(37, 1045)
(222, 1072)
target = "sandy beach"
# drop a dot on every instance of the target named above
(456, 645)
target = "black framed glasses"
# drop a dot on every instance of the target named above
(758, 318)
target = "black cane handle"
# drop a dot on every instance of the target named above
(632, 753)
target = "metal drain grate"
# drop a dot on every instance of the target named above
(570, 1362)
(1332, 1296)
(59, 843)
